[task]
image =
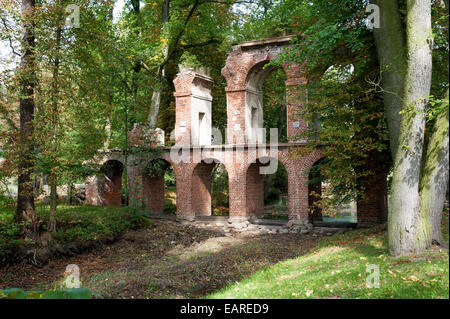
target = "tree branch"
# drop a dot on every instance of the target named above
(10, 41)
(200, 44)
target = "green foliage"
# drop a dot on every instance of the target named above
(75, 223)
(344, 109)
(68, 293)
(189, 60)
(220, 189)
(274, 104)
(169, 207)
(169, 178)
(273, 193)
(156, 168)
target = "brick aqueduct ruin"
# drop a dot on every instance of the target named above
(244, 154)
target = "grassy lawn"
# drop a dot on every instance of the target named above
(337, 269)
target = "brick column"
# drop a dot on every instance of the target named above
(296, 97)
(183, 173)
(192, 98)
(201, 189)
(373, 208)
(237, 192)
(255, 191)
(298, 195)
(153, 193)
(236, 116)
(135, 185)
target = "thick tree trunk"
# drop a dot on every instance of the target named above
(390, 43)
(54, 121)
(25, 199)
(408, 230)
(435, 176)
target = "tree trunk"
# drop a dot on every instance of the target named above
(25, 199)
(408, 230)
(53, 203)
(155, 103)
(54, 121)
(435, 176)
(107, 133)
(390, 43)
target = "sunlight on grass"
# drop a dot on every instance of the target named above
(337, 269)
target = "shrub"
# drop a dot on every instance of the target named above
(68, 293)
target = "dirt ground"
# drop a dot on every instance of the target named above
(165, 260)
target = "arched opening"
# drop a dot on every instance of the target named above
(159, 187)
(220, 191)
(111, 187)
(210, 189)
(265, 103)
(275, 104)
(322, 208)
(315, 180)
(267, 194)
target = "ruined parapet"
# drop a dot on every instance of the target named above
(247, 66)
(193, 108)
(143, 135)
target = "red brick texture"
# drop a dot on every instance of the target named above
(201, 189)
(373, 208)
(105, 189)
(243, 71)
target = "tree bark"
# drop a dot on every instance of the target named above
(25, 200)
(155, 103)
(54, 121)
(408, 230)
(390, 44)
(435, 175)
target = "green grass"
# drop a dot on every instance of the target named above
(74, 223)
(337, 269)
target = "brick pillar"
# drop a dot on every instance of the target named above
(105, 190)
(255, 191)
(183, 173)
(237, 192)
(298, 196)
(193, 108)
(92, 191)
(296, 97)
(153, 193)
(201, 189)
(135, 186)
(236, 116)
(373, 208)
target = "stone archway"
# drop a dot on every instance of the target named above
(105, 189)
(153, 185)
(202, 186)
(245, 71)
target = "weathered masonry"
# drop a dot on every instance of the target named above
(244, 154)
